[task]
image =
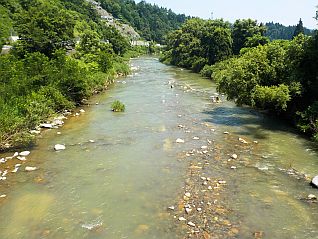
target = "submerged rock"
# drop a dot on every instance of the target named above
(59, 147)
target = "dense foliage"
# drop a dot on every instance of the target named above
(279, 76)
(199, 43)
(151, 21)
(46, 72)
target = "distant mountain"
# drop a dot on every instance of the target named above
(277, 31)
(151, 21)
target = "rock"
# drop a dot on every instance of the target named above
(199, 209)
(171, 208)
(222, 182)
(77, 114)
(58, 133)
(234, 156)
(181, 126)
(196, 138)
(188, 210)
(204, 147)
(233, 167)
(25, 153)
(82, 111)
(311, 197)
(255, 142)
(21, 158)
(191, 224)
(46, 126)
(3, 196)
(203, 178)
(314, 182)
(30, 169)
(187, 195)
(226, 132)
(182, 219)
(92, 141)
(180, 141)
(35, 132)
(59, 147)
(243, 141)
(15, 154)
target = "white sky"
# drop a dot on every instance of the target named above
(286, 12)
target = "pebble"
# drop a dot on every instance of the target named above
(234, 156)
(233, 167)
(179, 141)
(3, 196)
(196, 138)
(188, 210)
(255, 142)
(46, 126)
(30, 169)
(226, 132)
(82, 111)
(25, 153)
(181, 219)
(203, 178)
(171, 208)
(199, 209)
(187, 195)
(3, 160)
(21, 158)
(59, 147)
(222, 182)
(243, 141)
(92, 141)
(204, 147)
(191, 224)
(77, 114)
(311, 197)
(58, 133)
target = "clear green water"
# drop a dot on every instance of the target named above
(123, 182)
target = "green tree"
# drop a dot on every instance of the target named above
(299, 28)
(44, 28)
(5, 25)
(243, 30)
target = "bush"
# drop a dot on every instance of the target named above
(117, 106)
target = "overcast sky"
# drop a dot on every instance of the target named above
(286, 12)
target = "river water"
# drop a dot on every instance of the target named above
(120, 171)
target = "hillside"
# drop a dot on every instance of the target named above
(151, 21)
(276, 31)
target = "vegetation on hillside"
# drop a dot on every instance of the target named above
(279, 76)
(46, 72)
(277, 31)
(151, 21)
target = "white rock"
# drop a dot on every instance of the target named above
(226, 132)
(35, 132)
(77, 114)
(182, 219)
(311, 196)
(58, 122)
(203, 178)
(187, 195)
(15, 170)
(222, 182)
(58, 133)
(21, 158)
(25, 153)
(188, 210)
(3, 160)
(243, 141)
(179, 141)
(92, 141)
(3, 196)
(171, 208)
(82, 111)
(204, 147)
(255, 142)
(196, 138)
(314, 181)
(47, 126)
(234, 156)
(59, 147)
(30, 169)
(199, 209)
(191, 224)
(15, 154)
(233, 167)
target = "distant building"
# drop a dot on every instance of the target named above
(140, 43)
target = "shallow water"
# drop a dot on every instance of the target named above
(120, 185)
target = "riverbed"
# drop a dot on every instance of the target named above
(120, 172)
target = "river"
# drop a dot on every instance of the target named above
(120, 171)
